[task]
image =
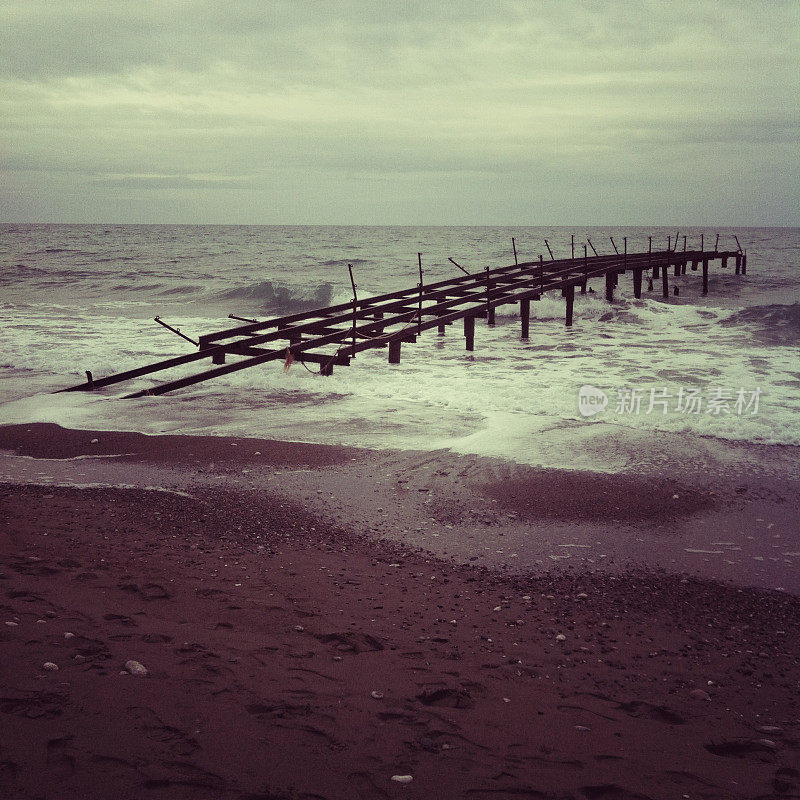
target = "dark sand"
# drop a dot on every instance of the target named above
(310, 634)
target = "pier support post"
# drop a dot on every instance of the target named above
(677, 269)
(738, 267)
(609, 286)
(469, 332)
(326, 369)
(525, 316)
(744, 263)
(694, 265)
(655, 271)
(683, 267)
(705, 276)
(637, 283)
(218, 357)
(570, 297)
(295, 338)
(664, 282)
(724, 262)
(585, 271)
(489, 306)
(394, 351)
(442, 328)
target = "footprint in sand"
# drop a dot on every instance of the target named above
(610, 791)
(147, 591)
(639, 708)
(149, 724)
(34, 705)
(120, 619)
(350, 642)
(60, 762)
(762, 749)
(446, 698)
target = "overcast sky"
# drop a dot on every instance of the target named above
(263, 111)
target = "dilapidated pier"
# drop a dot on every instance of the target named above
(334, 335)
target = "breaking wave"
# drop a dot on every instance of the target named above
(772, 324)
(280, 298)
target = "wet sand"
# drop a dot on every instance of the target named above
(315, 621)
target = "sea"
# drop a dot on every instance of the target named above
(724, 366)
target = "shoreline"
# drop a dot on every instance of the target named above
(724, 515)
(307, 634)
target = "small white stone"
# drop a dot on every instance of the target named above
(581, 728)
(402, 778)
(377, 695)
(95, 441)
(12, 624)
(561, 638)
(768, 743)
(50, 666)
(299, 628)
(769, 729)
(135, 668)
(497, 608)
(69, 635)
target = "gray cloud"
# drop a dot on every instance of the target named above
(161, 110)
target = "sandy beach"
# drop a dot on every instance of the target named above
(316, 622)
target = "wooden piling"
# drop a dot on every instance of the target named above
(570, 297)
(705, 276)
(585, 270)
(664, 282)
(744, 263)
(394, 351)
(469, 331)
(441, 328)
(738, 265)
(637, 283)
(609, 286)
(218, 357)
(489, 306)
(525, 316)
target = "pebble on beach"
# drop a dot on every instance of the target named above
(402, 778)
(135, 668)
(50, 666)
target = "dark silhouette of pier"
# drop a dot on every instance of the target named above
(333, 335)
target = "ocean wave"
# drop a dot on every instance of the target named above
(343, 262)
(772, 324)
(280, 298)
